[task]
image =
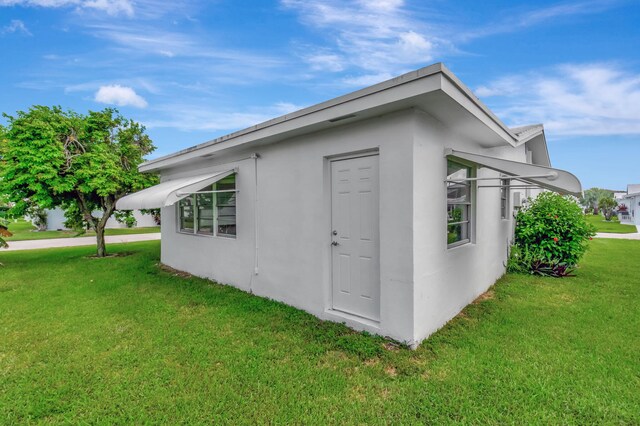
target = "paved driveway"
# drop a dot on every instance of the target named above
(635, 236)
(80, 241)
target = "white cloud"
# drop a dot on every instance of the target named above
(372, 36)
(367, 79)
(389, 37)
(589, 99)
(120, 96)
(111, 7)
(150, 40)
(15, 26)
(381, 4)
(190, 117)
(517, 20)
(325, 62)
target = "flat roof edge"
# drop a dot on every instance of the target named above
(437, 68)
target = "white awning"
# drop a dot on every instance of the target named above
(169, 192)
(546, 177)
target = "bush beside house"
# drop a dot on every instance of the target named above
(551, 236)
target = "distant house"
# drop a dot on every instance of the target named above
(631, 201)
(56, 219)
(388, 209)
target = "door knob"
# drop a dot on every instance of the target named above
(334, 243)
(334, 232)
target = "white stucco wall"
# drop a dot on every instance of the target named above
(56, 219)
(633, 204)
(423, 283)
(447, 279)
(142, 221)
(294, 222)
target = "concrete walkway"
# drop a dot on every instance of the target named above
(635, 236)
(75, 242)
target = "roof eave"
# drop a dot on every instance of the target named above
(278, 124)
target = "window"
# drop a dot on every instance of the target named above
(226, 206)
(205, 213)
(504, 198)
(458, 204)
(210, 211)
(187, 214)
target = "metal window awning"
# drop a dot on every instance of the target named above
(545, 177)
(169, 192)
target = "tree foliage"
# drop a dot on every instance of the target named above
(80, 162)
(592, 197)
(551, 236)
(607, 206)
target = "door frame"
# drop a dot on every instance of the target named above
(372, 324)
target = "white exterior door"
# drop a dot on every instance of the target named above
(355, 235)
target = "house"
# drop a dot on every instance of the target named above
(56, 220)
(388, 209)
(631, 200)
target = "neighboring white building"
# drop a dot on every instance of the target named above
(382, 208)
(56, 219)
(631, 199)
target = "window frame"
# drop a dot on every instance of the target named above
(196, 211)
(505, 195)
(470, 205)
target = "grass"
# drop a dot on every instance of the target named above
(119, 340)
(23, 230)
(614, 227)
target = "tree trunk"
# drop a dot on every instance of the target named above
(101, 246)
(100, 225)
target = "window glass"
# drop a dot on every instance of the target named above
(226, 206)
(205, 212)
(186, 211)
(208, 212)
(504, 198)
(458, 203)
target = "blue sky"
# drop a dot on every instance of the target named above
(194, 70)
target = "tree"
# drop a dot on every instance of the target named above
(591, 198)
(607, 205)
(4, 233)
(86, 162)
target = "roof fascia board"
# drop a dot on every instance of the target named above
(407, 90)
(546, 148)
(529, 136)
(406, 86)
(479, 109)
(283, 129)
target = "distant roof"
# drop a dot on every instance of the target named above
(633, 188)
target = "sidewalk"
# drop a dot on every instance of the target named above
(635, 236)
(75, 242)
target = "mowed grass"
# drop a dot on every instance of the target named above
(119, 341)
(611, 227)
(23, 230)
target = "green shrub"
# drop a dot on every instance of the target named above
(551, 236)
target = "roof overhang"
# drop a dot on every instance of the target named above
(549, 178)
(433, 89)
(169, 192)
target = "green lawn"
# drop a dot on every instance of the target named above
(118, 340)
(612, 227)
(23, 230)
